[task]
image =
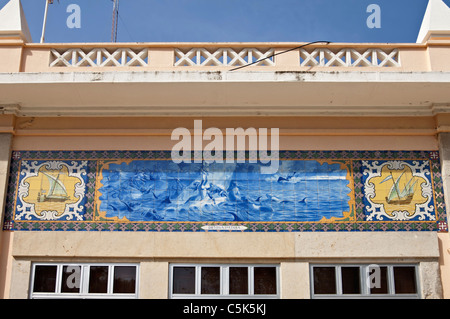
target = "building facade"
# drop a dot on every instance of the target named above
(119, 178)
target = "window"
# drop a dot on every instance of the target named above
(364, 281)
(221, 281)
(84, 280)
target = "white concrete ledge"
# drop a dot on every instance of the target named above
(224, 93)
(93, 76)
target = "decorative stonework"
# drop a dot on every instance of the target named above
(99, 57)
(349, 57)
(223, 57)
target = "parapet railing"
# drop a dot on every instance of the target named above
(98, 57)
(218, 56)
(348, 57)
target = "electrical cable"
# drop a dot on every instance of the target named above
(275, 54)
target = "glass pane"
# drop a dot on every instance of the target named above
(378, 280)
(124, 280)
(405, 280)
(98, 279)
(71, 277)
(324, 280)
(238, 280)
(183, 280)
(210, 280)
(44, 279)
(350, 280)
(265, 280)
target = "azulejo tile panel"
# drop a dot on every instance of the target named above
(147, 191)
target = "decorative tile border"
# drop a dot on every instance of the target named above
(89, 219)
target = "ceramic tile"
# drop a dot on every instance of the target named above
(146, 191)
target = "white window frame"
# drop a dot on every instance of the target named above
(84, 282)
(224, 282)
(365, 290)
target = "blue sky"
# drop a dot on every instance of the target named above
(229, 20)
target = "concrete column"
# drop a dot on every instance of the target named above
(20, 279)
(5, 156)
(444, 150)
(154, 280)
(431, 287)
(294, 279)
(444, 238)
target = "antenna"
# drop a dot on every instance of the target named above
(115, 20)
(47, 2)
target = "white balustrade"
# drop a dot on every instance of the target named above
(223, 57)
(349, 57)
(99, 57)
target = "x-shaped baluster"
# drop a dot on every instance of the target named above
(137, 59)
(389, 59)
(361, 59)
(309, 59)
(61, 59)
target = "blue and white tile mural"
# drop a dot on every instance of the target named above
(160, 190)
(147, 191)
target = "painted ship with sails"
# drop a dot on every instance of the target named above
(400, 195)
(55, 193)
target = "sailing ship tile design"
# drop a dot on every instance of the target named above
(146, 191)
(51, 190)
(398, 190)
